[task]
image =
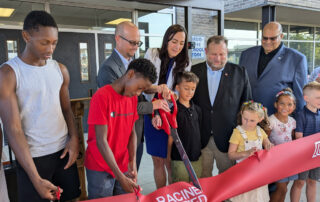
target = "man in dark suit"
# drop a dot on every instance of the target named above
(127, 39)
(274, 66)
(222, 89)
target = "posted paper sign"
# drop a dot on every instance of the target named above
(198, 51)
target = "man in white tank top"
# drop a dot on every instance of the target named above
(37, 116)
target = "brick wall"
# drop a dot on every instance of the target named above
(204, 23)
(315, 4)
(235, 5)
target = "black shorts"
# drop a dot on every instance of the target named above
(50, 167)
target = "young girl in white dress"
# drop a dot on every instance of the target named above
(282, 128)
(247, 138)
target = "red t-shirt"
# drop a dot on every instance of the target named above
(119, 113)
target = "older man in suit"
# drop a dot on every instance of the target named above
(222, 89)
(273, 67)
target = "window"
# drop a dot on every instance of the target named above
(317, 55)
(301, 33)
(107, 50)
(12, 49)
(84, 63)
(235, 48)
(317, 34)
(240, 35)
(307, 49)
(88, 18)
(244, 30)
(154, 23)
(149, 42)
(152, 27)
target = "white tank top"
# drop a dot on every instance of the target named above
(38, 94)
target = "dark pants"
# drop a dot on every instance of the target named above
(50, 167)
(139, 154)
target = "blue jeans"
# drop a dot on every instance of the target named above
(102, 184)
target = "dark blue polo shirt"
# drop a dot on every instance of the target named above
(308, 122)
(189, 121)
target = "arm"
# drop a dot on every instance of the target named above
(299, 80)
(241, 60)
(101, 135)
(72, 147)
(300, 124)
(246, 95)
(163, 89)
(199, 117)
(293, 135)
(9, 113)
(234, 155)
(132, 148)
(298, 135)
(145, 107)
(267, 144)
(313, 75)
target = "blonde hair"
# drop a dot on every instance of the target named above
(259, 109)
(314, 85)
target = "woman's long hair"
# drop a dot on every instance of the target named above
(182, 59)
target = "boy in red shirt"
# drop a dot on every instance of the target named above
(111, 154)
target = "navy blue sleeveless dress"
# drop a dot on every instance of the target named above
(156, 140)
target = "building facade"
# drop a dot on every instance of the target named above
(86, 31)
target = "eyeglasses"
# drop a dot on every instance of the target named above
(270, 38)
(132, 43)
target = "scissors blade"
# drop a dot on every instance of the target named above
(185, 159)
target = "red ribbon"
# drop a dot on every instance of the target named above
(260, 169)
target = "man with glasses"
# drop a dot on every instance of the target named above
(127, 39)
(273, 67)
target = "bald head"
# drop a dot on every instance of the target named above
(273, 26)
(271, 36)
(127, 37)
(123, 26)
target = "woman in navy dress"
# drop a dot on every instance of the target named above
(170, 59)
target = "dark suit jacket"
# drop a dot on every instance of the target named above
(220, 118)
(112, 69)
(288, 68)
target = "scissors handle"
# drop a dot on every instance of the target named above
(168, 118)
